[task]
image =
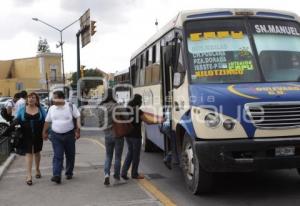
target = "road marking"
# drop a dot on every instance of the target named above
(156, 192)
(95, 141)
(146, 184)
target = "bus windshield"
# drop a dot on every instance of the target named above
(219, 51)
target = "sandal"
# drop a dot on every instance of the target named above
(29, 182)
(38, 175)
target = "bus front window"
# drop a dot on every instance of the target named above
(219, 51)
(278, 48)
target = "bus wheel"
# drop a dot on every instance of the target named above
(197, 180)
(147, 145)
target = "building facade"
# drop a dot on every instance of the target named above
(30, 73)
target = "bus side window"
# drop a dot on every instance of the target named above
(148, 67)
(137, 71)
(142, 70)
(156, 64)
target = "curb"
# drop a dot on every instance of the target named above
(6, 164)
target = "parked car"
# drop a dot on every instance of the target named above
(3, 125)
(4, 101)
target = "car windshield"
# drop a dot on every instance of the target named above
(219, 51)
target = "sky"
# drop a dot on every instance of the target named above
(122, 26)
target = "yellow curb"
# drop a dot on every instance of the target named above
(146, 184)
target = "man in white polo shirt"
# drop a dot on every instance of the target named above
(65, 129)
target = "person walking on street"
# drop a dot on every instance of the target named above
(65, 130)
(10, 106)
(31, 118)
(21, 101)
(112, 144)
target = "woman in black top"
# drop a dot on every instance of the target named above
(134, 139)
(31, 117)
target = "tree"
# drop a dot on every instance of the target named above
(43, 46)
(91, 84)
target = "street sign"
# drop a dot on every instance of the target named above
(85, 28)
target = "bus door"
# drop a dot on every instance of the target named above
(167, 96)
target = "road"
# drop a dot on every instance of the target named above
(280, 187)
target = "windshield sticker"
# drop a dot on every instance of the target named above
(216, 35)
(209, 64)
(219, 72)
(240, 65)
(276, 29)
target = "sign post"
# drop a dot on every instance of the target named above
(87, 29)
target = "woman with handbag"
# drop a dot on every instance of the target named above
(31, 118)
(113, 144)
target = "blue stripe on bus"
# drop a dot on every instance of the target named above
(210, 14)
(274, 15)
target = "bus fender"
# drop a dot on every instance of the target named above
(187, 124)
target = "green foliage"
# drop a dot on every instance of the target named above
(91, 84)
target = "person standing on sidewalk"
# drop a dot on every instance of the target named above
(10, 107)
(112, 143)
(31, 118)
(134, 138)
(65, 130)
(21, 101)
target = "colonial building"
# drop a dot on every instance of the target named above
(30, 73)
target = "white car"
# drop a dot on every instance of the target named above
(3, 125)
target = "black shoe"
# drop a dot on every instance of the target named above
(69, 177)
(106, 181)
(117, 177)
(56, 179)
(125, 177)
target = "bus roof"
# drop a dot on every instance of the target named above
(124, 71)
(181, 17)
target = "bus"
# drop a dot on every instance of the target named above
(122, 92)
(229, 81)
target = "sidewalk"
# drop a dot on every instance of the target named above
(85, 189)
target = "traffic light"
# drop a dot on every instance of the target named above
(93, 28)
(82, 70)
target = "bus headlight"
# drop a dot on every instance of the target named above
(212, 120)
(229, 124)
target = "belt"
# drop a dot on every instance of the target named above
(66, 133)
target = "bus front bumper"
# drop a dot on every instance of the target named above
(248, 154)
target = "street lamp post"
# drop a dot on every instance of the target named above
(61, 43)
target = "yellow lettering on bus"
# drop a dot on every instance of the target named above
(195, 37)
(237, 35)
(223, 34)
(209, 35)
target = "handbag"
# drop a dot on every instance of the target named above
(121, 128)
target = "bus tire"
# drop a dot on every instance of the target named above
(147, 145)
(197, 180)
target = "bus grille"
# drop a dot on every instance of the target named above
(274, 115)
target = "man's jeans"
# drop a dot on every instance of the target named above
(113, 144)
(63, 143)
(133, 156)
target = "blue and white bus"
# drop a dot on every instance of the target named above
(229, 79)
